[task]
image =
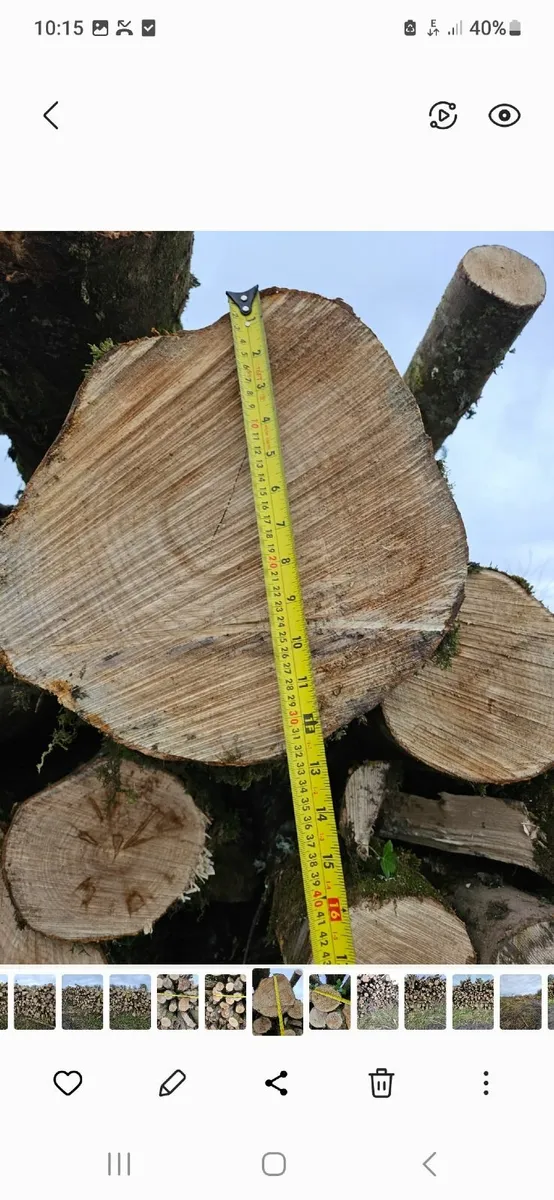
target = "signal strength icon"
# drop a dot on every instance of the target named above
(456, 29)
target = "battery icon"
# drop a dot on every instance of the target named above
(515, 28)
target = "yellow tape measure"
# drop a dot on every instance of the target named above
(318, 841)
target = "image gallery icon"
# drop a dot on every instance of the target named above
(100, 28)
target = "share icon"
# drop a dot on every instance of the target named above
(272, 1083)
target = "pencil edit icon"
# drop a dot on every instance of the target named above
(172, 1082)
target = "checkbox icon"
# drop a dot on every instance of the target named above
(148, 28)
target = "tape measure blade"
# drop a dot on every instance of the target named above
(318, 842)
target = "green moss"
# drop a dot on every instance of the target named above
(365, 880)
(65, 731)
(527, 587)
(448, 649)
(441, 464)
(497, 910)
(108, 770)
(473, 568)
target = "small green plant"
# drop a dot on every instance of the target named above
(97, 352)
(389, 861)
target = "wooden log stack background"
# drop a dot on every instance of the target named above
(145, 816)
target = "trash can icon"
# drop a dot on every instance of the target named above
(381, 1083)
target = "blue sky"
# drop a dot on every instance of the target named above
(81, 980)
(500, 462)
(34, 980)
(519, 985)
(129, 980)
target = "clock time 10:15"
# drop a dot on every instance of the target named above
(53, 27)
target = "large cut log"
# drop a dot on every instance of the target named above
(488, 715)
(62, 292)
(21, 946)
(506, 925)
(131, 579)
(389, 925)
(483, 825)
(488, 302)
(103, 853)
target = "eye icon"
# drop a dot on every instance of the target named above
(504, 114)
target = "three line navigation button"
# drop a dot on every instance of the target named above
(119, 1164)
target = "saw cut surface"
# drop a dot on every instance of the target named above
(90, 861)
(130, 576)
(489, 716)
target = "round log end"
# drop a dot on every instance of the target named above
(505, 274)
(487, 715)
(90, 860)
(409, 930)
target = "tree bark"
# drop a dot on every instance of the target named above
(488, 714)
(103, 853)
(506, 925)
(154, 622)
(483, 825)
(62, 292)
(488, 302)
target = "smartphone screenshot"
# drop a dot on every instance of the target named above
(276, 600)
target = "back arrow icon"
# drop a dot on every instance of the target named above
(426, 1164)
(49, 110)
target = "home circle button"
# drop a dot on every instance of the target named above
(274, 1163)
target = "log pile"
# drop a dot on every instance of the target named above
(275, 1008)
(135, 641)
(473, 994)
(3, 1004)
(425, 1002)
(225, 1002)
(130, 1007)
(329, 1007)
(377, 1002)
(177, 1002)
(34, 1006)
(82, 1006)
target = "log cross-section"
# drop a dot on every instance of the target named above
(130, 576)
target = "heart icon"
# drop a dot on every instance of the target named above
(68, 1081)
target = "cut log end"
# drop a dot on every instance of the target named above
(21, 945)
(146, 630)
(505, 274)
(506, 925)
(489, 715)
(409, 930)
(84, 864)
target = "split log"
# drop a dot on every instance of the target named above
(506, 925)
(364, 794)
(489, 715)
(147, 582)
(20, 945)
(62, 292)
(95, 857)
(390, 926)
(488, 302)
(483, 825)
